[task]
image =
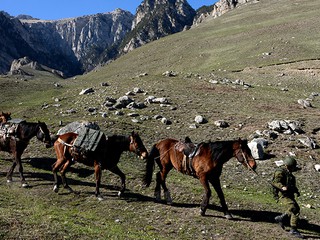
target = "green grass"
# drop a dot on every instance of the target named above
(229, 47)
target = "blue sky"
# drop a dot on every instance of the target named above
(58, 9)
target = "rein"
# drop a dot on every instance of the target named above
(161, 155)
(254, 171)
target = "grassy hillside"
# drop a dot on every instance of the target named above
(273, 46)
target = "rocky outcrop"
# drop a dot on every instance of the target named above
(13, 43)
(22, 66)
(83, 39)
(78, 45)
(72, 46)
(158, 18)
(216, 10)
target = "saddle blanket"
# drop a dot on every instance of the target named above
(88, 139)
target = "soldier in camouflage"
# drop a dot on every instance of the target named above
(285, 182)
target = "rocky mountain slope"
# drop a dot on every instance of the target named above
(158, 18)
(78, 45)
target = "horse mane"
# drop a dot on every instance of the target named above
(217, 147)
(115, 140)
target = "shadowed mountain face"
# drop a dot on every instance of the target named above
(72, 46)
(12, 42)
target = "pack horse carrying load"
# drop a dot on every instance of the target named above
(93, 148)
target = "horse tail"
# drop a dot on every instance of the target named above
(150, 165)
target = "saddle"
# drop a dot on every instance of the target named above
(9, 128)
(189, 150)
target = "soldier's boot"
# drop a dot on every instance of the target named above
(296, 233)
(280, 219)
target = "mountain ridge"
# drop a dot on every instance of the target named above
(80, 44)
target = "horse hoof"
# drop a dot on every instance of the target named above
(228, 216)
(55, 189)
(69, 189)
(120, 194)
(202, 212)
(24, 185)
(100, 198)
(9, 180)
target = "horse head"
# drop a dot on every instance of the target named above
(5, 117)
(242, 152)
(43, 134)
(136, 145)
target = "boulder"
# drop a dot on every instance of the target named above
(256, 150)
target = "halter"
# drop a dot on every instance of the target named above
(246, 161)
(137, 150)
(44, 134)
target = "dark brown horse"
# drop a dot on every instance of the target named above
(206, 165)
(5, 117)
(17, 141)
(106, 156)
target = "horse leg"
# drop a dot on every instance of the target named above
(217, 186)
(161, 180)
(117, 171)
(63, 176)
(206, 196)
(10, 172)
(20, 169)
(55, 168)
(97, 173)
(17, 161)
(157, 190)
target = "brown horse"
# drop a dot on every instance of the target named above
(205, 164)
(5, 117)
(17, 141)
(106, 156)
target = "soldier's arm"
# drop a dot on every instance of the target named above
(278, 181)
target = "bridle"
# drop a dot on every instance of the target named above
(44, 136)
(246, 161)
(137, 150)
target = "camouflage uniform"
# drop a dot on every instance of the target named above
(285, 182)
(284, 178)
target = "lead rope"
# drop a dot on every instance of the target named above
(161, 155)
(247, 163)
(250, 168)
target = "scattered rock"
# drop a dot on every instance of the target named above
(256, 150)
(169, 74)
(285, 126)
(104, 84)
(138, 90)
(304, 103)
(199, 119)
(86, 91)
(221, 124)
(153, 99)
(310, 143)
